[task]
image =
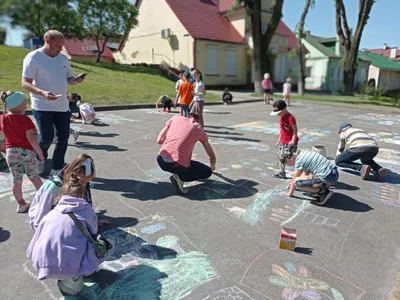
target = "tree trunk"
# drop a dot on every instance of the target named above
(269, 33)
(300, 51)
(257, 57)
(351, 44)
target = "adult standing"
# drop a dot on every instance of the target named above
(360, 146)
(46, 75)
(198, 96)
(178, 139)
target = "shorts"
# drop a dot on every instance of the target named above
(329, 180)
(287, 149)
(21, 161)
(267, 91)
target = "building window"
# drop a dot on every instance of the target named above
(338, 73)
(231, 61)
(308, 72)
(332, 72)
(212, 55)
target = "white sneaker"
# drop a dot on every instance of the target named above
(54, 172)
(178, 183)
(23, 208)
(71, 286)
(75, 135)
(83, 120)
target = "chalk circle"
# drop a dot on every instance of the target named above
(236, 166)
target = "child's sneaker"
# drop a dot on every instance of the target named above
(75, 135)
(23, 208)
(71, 286)
(324, 196)
(178, 183)
(364, 172)
(281, 175)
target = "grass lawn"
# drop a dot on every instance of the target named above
(105, 84)
(357, 100)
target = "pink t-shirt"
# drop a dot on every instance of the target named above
(182, 136)
(266, 84)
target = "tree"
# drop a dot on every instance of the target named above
(300, 47)
(261, 40)
(104, 19)
(351, 43)
(3, 35)
(42, 15)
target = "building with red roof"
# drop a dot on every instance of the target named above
(389, 52)
(86, 50)
(211, 35)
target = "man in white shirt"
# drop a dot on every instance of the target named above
(46, 74)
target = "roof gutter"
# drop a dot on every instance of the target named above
(194, 52)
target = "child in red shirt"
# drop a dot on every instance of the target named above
(288, 138)
(21, 145)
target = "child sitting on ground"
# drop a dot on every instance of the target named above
(22, 147)
(227, 97)
(45, 198)
(324, 174)
(287, 88)
(87, 112)
(66, 245)
(73, 99)
(288, 138)
(166, 102)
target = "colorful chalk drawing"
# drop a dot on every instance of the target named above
(261, 147)
(297, 283)
(153, 265)
(28, 189)
(387, 137)
(386, 193)
(230, 293)
(113, 119)
(379, 118)
(153, 228)
(295, 278)
(305, 134)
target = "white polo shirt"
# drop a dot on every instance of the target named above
(49, 74)
(199, 89)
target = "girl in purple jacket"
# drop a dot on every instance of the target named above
(59, 249)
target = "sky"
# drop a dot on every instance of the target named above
(381, 27)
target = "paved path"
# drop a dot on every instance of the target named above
(220, 242)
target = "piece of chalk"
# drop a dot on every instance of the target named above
(59, 95)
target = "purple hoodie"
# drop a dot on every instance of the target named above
(59, 249)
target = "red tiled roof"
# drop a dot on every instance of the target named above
(384, 52)
(82, 48)
(202, 19)
(285, 31)
(225, 5)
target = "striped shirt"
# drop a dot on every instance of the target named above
(314, 163)
(355, 138)
(181, 137)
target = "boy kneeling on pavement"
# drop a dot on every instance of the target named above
(324, 174)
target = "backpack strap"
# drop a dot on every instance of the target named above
(81, 227)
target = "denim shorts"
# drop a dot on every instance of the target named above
(329, 180)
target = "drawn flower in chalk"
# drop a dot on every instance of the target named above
(297, 283)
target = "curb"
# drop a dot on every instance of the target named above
(142, 106)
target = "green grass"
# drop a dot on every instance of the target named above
(357, 100)
(105, 84)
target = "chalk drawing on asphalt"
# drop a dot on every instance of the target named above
(378, 118)
(28, 189)
(305, 134)
(387, 137)
(230, 293)
(113, 119)
(261, 147)
(293, 277)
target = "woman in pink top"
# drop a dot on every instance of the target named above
(178, 139)
(267, 86)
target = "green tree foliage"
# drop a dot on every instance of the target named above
(38, 16)
(105, 19)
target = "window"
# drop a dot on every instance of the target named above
(338, 73)
(332, 72)
(212, 54)
(308, 71)
(231, 62)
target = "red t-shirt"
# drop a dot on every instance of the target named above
(15, 128)
(286, 122)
